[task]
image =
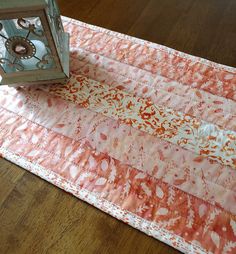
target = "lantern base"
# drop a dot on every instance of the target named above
(42, 82)
(27, 78)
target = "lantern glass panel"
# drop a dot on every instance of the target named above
(24, 46)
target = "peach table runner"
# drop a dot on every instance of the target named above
(141, 131)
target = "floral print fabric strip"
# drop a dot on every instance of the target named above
(143, 132)
(160, 159)
(160, 90)
(127, 187)
(188, 132)
(155, 59)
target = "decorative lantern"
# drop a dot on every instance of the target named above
(34, 49)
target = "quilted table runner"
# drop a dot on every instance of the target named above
(141, 131)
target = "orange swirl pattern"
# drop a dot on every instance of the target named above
(186, 131)
(143, 132)
(156, 59)
(124, 186)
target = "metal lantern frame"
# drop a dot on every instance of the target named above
(22, 10)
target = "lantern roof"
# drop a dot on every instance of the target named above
(20, 5)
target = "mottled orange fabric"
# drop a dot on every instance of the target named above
(143, 132)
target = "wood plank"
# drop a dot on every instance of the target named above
(38, 217)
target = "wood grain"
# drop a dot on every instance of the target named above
(35, 216)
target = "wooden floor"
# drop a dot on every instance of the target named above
(36, 217)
